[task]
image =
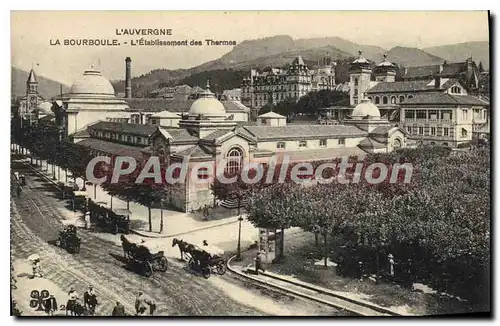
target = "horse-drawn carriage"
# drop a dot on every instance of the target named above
(115, 220)
(204, 259)
(141, 256)
(69, 239)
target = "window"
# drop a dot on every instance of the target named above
(356, 101)
(356, 92)
(153, 121)
(234, 160)
(446, 132)
(385, 100)
(445, 144)
(420, 130)
(464, 114)
(377, 100)
(322, 143)
(356, 82)
(396, 144)
(410, 96)
(342, 141)
(446, 115)
(129, 139)
(433, 143)
(401, 99)
(263, 121)
(393, 100)
(302, 144)
(203, 173)
(421, 114)
(410, 114)
(280, 145)
(433, 131)
(433, 114)
(464, 133)
(456, 90)
(408, 129)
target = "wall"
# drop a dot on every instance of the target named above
(293, 145)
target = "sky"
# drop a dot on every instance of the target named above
(33, 31)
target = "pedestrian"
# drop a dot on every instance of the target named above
(140, 304)
(152, 306)
(50, 305)
(70, 305)
(258, 263)
(205, 243)
(37, 268)
(360, 271)
(391, 264)
(87, 220)
(90, 300)
(118, 310)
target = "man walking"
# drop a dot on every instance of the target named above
(258, 263)
(140, 304)
(90, 300)
(50, 305)
(70, 305)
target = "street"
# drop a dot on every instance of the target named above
(36, 221)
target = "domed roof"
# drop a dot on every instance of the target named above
(365, 108)
(207, 104)
(385, 62)
(92, 83)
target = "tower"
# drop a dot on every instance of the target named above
(128, 78)
(360, 75)
(385, 71)
(31, 92)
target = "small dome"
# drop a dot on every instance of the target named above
(92, 83)
(207, 104)
(365, 108)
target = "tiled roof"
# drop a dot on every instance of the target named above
(324, 154)
(112, 148)
(454, 68)
(129, 128)
(421, 71)
(179, 134)
(217, 134)
(196, 151)
(371, 143)
(411, 86)
(166, 114)
(382, 130)
(84, 133)
(234, 107)
(272, 114)
(303, 131)
(444, 98)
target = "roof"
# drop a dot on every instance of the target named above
(454, 68)
(324, 154)
(382, 130)
(411, 86)
(128, 128)
(196, 151)
(303, 131)
(371, 143)
(298, 60)
(158, 104)
(444, 98)
(112, 148)
(166, 114)
(84, 133)
(176, 134)
(32, 76)
(235, 107)
(217, 134)
(421, 71)
(272, 114)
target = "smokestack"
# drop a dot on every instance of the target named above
(128, 78)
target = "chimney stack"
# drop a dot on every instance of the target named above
(437, 82)
(128, 78)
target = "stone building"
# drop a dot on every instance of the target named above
(274, 85)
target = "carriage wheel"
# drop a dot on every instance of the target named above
(221, 268)
(163, 264)
(205, 271)
(191, 263)
(148, 269)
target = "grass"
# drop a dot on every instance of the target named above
(301, 253)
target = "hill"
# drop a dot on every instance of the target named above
(47, 88)
(461, 51)
(412, 57)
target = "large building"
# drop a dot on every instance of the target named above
(206, 136)
(274, 85)
(433, 106)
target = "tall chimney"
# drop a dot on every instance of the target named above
(128, 78)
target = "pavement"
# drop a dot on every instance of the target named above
(175, 223)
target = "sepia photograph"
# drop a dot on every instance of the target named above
(250, 163)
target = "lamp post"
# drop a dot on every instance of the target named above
(161, 215)
(238, 256)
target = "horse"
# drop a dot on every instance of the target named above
(128, 247)
(183, 246)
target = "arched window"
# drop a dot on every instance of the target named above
(410, 96)
(302, 144)
(396, 143)
(385, 100)
(377, 100)
(445, 144)
(464, 133)
(280, 145)
(356, 82)
(393, 99)
(234, 160)
(433, 143)
(401, 99)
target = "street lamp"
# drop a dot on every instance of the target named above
(161, 215)
(238, 256)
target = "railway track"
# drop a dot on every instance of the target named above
(297, 289)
